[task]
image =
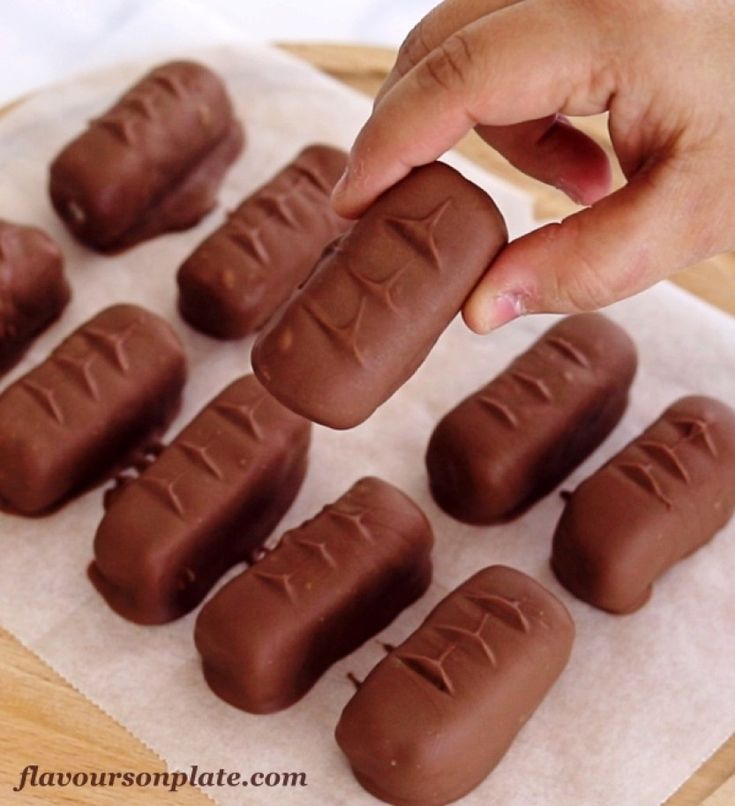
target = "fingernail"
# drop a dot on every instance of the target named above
(502, 309)
(339, 188)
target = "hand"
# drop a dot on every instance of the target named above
(665, 70)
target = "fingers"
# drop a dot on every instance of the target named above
(535, 67)
(446, 19)
(553, 151)
(655, 225)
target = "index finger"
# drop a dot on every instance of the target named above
(537, 65)
(439, 24)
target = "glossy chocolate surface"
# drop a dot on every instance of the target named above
(435, 717)
(105, 391)
(152, 163)
(234, 281)
(33, 288)
(211, 498)
(515, 439)
(331, 584)
(660, 499)
(380, 297)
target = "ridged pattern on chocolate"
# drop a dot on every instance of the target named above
(102, 393)
(379, 298)
(661, 498)
(332, 583)
(234, 281)
(213, 495)
(152, 162)
(33, 288)
(518, 437)
(433, 719)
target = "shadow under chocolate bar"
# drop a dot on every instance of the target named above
(33, 288)
(152, 163)
(331, 584)
(212, 497)
(436, 716)
(370, 313)
(656, 502)
(234, 281)
(514, 440)
(108, 389)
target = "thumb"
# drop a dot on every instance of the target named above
(661, 221)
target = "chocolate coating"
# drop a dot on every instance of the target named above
(435, 717)
(234, 281)
(370, 313)
(106, 390)
(33, 288)
(152, 163)
(213, 495)
(660, 499)
(331, 584)
(515, 439)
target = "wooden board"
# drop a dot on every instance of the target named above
(47, 723)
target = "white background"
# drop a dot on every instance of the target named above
(42, 41)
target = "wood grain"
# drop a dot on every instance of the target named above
(46, 722)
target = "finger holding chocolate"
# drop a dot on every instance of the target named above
(380, 297)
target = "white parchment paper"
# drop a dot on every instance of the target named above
(645, 699)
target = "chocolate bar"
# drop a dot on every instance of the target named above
(152, 163)
(515, 439)
(104, 392)
(234, 281)
(660, 499)
(33, 288)
(331, 584)
(380, 297)
(436, 716)
(211, 498)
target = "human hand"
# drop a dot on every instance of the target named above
(665, 70)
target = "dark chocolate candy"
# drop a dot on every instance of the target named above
(213, 495)
(331, 584)
(515, 439)
(152, 163)
(107, 389)
(660, 499)
(234, 281)
(435, 717)
(33, 288)
(379, 299)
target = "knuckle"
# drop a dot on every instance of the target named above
(450, 66)
(414, 49)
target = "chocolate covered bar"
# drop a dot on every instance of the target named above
(660, 499)
(331, 584)
(211, 498)
(435, 717)
(33, 288)
(105, 391)
(234, 281)
(515, 439)
(380, 297)
(152, 163)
